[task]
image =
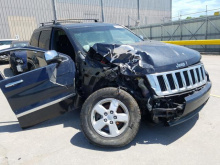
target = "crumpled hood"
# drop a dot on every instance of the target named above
(168, 56)
(146, 57)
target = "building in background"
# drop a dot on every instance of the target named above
(18, 18)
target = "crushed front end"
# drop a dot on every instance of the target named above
(169, 89)
(178, 95)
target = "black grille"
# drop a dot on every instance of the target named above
(193, 76)
(202, 73)
(171, 82)
(177, 81)
(178, 76)
(186, 78)
(162, 83)
(197, 71)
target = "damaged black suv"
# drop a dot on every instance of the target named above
(115, 74)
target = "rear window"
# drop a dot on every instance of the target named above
(34, 39)
(44, 41)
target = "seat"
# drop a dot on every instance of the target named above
(64, 46)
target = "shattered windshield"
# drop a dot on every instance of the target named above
(88, 36)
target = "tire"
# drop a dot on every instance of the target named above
(121, 122)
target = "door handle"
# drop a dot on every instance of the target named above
(13, 83)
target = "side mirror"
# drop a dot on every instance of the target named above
(51, 55)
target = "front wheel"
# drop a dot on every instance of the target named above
(110, 118)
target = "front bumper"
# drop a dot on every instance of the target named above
(194, 103)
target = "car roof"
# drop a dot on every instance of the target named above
(77, 25)
(8, 39)
(14, 42)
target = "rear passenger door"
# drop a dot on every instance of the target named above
(40, 39)
(34, 41)
(44, 39)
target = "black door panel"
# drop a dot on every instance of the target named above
(42, 93)
(45, 112)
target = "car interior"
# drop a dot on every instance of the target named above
(17, 64)
(5, 72)
(62, 44)
(1, 76)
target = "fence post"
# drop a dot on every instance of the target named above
(54, 10)
(128, 21)
(138, 9)
(181, 29)
(207, 25)
(102, 11)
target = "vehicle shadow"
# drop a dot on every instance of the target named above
(148, 133)
(70, 119)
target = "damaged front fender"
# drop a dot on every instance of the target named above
(130, 60)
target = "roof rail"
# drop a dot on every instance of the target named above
(76, 20)
(45, 23)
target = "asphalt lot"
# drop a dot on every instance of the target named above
(60, 141)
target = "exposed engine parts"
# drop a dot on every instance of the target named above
(144, 89)
(167, 109)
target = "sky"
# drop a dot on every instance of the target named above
(192, 6)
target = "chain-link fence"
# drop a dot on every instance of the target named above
(18, 18)
(193, 26)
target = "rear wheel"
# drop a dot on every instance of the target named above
(110, 118)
